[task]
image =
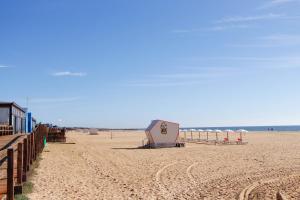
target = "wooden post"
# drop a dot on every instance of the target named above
(25, 158)
(20, 163)
(184, 136)
(227, 136)
(199, 136)
(207, 136)
(32, 148)
(29, 150)
(10, 173)
(192, 135)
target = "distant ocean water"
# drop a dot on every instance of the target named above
(252, 128)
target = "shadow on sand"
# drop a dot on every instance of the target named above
(128, 148)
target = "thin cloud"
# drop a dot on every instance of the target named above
(194, 76)
(53, 100)
(228, 27)
(68, 73)
(245, 58)
(238, 19)
(163, 83)
(280, 62)
(276, 3)
(276, 40)
(213, 28)
(282, 39)
(4, 66)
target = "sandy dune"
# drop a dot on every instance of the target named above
(97, 167)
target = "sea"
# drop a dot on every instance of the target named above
(252, 128)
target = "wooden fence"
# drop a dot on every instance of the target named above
(6, 130)
(17, 154)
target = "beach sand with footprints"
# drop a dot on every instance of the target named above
(98, 167)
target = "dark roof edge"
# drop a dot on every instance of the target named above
(13, 104)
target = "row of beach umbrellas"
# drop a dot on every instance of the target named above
(214, 131)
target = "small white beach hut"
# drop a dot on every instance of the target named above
(162, 133)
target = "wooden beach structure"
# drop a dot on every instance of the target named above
(56, 134)
(13, 115)
(162, 133)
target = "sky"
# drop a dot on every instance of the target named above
(123, 63)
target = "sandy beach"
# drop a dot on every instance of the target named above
(98, 167)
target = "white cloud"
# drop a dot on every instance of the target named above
(4, 66)
(237, 19)
(68, 73)
(275, 3)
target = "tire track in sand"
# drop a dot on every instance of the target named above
(165, 192)
(246, 192)
(190, 175)
(168, 193)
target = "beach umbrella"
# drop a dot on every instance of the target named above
(184, 131)
(227, 132)
(217, 131)
(241, 131)
(207, 131)
(199, 131)
(192, 130)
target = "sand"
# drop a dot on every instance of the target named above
(98, 167)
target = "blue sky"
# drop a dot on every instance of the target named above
(122, 63)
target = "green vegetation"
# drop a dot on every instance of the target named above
(21, 197)
(28, 186)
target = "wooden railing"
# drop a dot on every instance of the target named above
(17, 154)
(6, 130)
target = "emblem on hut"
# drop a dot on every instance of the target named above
(164, 128)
